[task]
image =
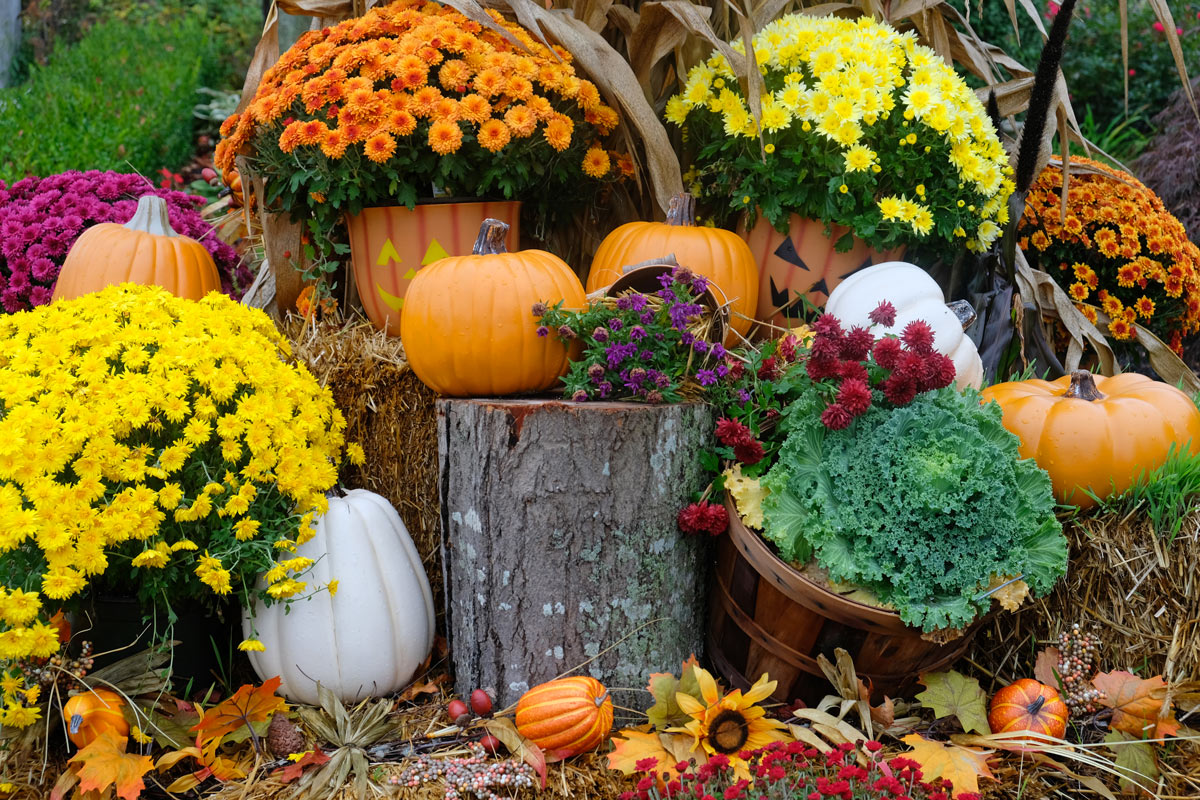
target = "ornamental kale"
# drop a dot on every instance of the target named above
(40, 218)
(640, 346)
(923, 505)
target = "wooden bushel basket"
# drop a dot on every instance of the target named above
(765, 616)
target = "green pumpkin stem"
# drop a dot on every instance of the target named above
(682, 210)
(491, 238)
(1083, 387)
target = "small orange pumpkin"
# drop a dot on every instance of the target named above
(467, 323)
(1097, 433)
(719, 255)
(566, 716)
(144, 250)
(1028, 705)
(92, 713)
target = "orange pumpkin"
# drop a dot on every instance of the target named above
(566, 716)
(719, 255)
(92, 713)
(1096, 433)
(467, 323)
(1028, 705)
(144, 250)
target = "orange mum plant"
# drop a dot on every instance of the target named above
(413, 99)
(1117, 250)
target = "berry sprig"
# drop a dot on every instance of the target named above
(1078, 650)
(471, 776)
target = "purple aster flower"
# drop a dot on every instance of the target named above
(743, 395)
(580, 396)
(605, 389)
(624, 303)
(722, 370)
(600, 335)
(706, 377)
(615, 324)
(542, 330)
(717, 351)
(700, 346)
(637, 302)
(637, 333)
(646, 355)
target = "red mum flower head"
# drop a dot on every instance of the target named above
(854, 396)
(692, 518)
(853, 370)
(646, 764)
(732, 432)
(716, 519)
(939, 371)
(836, 417)
(750, 452)
(899, 389)
(822, 366)
(918, 336)
(826, 346)
(884, 314)
(737, 368)
(857, 343)
(828, 325)
(887, 352)
(787, 349)
(768, 371)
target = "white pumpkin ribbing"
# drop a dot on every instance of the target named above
(369, 639)
(915, 295)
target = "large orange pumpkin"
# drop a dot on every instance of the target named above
(92, 713)
(1028, 705)
(144, 250)
(467, 323)
(719, 255)
(567, 716)
(1096, 433)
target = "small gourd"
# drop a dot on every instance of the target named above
(1028, 705)
(91, 713)
(144, 250)
(566, 716)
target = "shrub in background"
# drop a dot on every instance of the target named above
(41, 218)
(1170, 166)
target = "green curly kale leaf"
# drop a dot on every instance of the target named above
(921, 505)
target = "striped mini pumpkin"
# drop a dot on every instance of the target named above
(566, 716)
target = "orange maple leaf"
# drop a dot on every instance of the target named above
(961, 766)
(249, 704)
(1138, 704)
(632, 747)
(104, 763)
(291, 772)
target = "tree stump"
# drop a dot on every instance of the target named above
(560, 541)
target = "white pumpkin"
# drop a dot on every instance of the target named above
(915, 295)
(368, 639)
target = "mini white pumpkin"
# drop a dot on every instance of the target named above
(369, 638)
(915, 295)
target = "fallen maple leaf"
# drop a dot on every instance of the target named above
(104, 763)
(954, 694)
(1137, 704)
(293, 771)
(884, 714)
(1136, 760)
(1045, 669)
(248, 705)
(415, 690)
(631, 747)
(961, 766)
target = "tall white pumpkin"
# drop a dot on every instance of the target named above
(369, 638)
(916, 295)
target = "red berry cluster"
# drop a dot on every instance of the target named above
(854, 363)
(704, 517)
(735, 434)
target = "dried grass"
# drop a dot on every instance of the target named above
(391, 414)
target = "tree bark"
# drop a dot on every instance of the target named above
(560, 541)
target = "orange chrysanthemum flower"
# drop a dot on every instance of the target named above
(446, 109)
(334, 144)
(445, 137)
(489, 82)
(362, 104)
(521, 121)
(589, 96)
(493, 135)
(454, 75)
(424, 100)
(625, 165)
(519, 87)
(355, 132)
(1078, 291)
(380, 147)
(596, 163)
(558, 133)
(1111, 305)
(313, 132)
(1088, 312)
(401, 123)
(475, 108)
(1120, 329)
(541, 108)
(1145, 307)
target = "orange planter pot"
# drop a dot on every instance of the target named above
(389, 245)
(802, 262)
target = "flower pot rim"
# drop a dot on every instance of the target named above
(445, 201)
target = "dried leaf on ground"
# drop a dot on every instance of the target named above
(1137, 704)
(954, 694)
(248, 705)
(293, 771)
(104, 763)
(1136, 761)
(962, 766)
(1045, 669)
(415, 690)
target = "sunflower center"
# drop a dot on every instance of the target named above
(728, 732)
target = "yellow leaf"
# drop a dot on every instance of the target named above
(748, 494)
(633, 747)
(961, 766)
(1010, 596)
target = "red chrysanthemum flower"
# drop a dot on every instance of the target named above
(899, 389)
(737, 368)
(820, 367)
(836, 417)
(768, 370)
(887, 352)
(732, 432)
(857, 343)
(827, 325)
(855, 396)
(748, 452)
(787, 349)
(884, 314)
(918, 336)
(853, 370)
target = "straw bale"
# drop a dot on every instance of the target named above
(391, 414)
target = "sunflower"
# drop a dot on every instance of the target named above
(729, 724)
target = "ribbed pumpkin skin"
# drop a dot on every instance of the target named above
(369, 639)
(468, 328)
(1102, 444)
(1010, 709)
(719, 255)
(99, 710)
(108, 254)
(562, 715)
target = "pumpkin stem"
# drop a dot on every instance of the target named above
(600, 700)
(682, 210)
(1083, 387)
(491, 238)
(151, 217)
(1036, 706)
(964, 311)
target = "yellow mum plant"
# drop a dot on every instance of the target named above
(163, 445)
(861, 127)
